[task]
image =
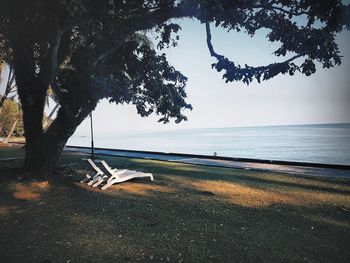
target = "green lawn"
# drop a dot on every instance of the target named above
(188, 214)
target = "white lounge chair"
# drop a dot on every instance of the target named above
(99, 180)
(103, 178)
(92, 179)
(119, 176)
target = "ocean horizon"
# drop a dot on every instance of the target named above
(314, 143)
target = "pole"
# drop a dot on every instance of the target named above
(92, 138)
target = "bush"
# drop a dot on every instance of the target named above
(9, 113)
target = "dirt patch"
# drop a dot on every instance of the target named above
(253, 196)
(141, 188)
(30, 191)
(4, 210)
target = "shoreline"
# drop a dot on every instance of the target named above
(326, 144)
(288, 167)
(223, 158)
(306, 169)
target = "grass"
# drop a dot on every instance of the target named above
(188, 214)
(10, 152)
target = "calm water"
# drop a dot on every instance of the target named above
(324, 143)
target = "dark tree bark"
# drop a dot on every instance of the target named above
(56, 136)
(43, 148)
(33, 108)
(32, 94)
(43, 153)
(32, 90)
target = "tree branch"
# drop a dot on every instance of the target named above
(104, 55)
(237, 73)
(209, 44)
(274, 8)
(50, 65)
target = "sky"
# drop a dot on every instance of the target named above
(284, 100)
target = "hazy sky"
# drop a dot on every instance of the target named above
(320, 98)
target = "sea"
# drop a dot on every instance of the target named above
(318, 143)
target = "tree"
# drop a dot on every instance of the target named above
(11, 119)
(12, 110)
(89, 50)
(10, 85)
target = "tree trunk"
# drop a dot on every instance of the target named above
(33, 108)
(42, 149)
(54, 141)
(32, 92)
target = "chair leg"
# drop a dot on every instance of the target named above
(111, 178)
(100, 181)
(108, 184)
(94, 179)
(87, 178)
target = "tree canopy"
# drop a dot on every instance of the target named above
(88, 50)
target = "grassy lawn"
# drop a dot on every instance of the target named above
(10, 152)
(188, 214)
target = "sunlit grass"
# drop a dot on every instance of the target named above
(190, 213)
(31, 191)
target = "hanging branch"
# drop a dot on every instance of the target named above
(248, 73)
(9, 87)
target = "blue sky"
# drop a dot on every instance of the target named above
(321, 98)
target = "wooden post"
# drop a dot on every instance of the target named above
(92, 138)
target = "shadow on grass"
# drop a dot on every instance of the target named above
(264, 179)
(188, 214)
(11, 152)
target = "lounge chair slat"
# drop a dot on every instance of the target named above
(119, 176)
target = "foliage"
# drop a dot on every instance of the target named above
(10, 85)
(312, 39)
(2, 66)
(10, 112)
(96, 44)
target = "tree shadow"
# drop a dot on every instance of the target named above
(183, 216)
(270, 179)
